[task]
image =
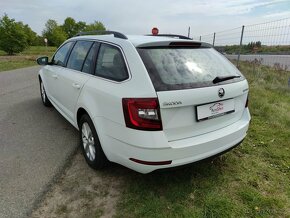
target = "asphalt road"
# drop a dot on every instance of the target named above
(35, 143)
(268, 60)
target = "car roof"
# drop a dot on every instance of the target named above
(140, 40)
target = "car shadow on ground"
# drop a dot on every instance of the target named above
(100, 191)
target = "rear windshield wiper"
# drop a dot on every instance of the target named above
(223, 78)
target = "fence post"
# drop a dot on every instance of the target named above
(241, 44)
(213, 41)
(199, 38)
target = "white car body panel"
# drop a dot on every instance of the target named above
(154, 146)
(69, 87)
(183, 139)
(180, 121)
(48, 75)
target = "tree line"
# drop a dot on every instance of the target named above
(17, 36)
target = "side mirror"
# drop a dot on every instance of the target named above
(42, 60)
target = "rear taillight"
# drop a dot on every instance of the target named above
(142, 113)
(247, 102)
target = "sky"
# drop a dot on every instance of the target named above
(138, 17)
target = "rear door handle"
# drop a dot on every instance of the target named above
(75, 85)
(54, 76)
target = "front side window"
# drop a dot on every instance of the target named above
(111, 64)
(78, 55)
(185, 68)
(61, 55)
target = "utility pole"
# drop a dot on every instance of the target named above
(213, 41)
(241, 44)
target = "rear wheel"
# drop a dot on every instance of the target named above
(43, 95)
(90, 144)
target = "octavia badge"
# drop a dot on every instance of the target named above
(221, 92)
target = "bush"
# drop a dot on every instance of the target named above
(12, 36)
(54, 33)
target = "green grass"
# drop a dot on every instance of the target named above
(249, 181)
(99, 212)
(25, 59)
(264, 49)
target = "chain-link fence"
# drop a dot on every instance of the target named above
(266, 43)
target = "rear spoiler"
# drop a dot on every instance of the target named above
(179, 43)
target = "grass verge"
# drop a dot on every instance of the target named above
(250, 181)
(25, 59)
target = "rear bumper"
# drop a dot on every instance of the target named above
(179, 152)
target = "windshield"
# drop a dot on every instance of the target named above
(182, 68)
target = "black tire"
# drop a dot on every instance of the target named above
(43, 95)
(99, 160)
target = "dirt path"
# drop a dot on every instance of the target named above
(83, 192)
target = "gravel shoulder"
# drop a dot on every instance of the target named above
(83, 192)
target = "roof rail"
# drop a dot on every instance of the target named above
(171, 35)
(103, 32)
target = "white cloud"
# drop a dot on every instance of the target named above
(276, 15)
(138, 17)
(219, 7)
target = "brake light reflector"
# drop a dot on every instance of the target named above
(152, 163)
(142, 113)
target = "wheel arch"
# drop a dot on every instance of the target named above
(80, 112)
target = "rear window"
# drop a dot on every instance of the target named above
(185, 68)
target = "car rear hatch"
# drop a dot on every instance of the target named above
(198, 89)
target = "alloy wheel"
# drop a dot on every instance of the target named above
(88, 142)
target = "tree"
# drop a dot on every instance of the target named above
(40, 41)
(31, 36)
(12, 36)
(71, 27)
(259, 44)
(54, 33)
(251, 45)
(95, 26)
(81, 26)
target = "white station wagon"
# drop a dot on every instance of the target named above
(146, 102)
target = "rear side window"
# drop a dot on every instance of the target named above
(111, 64)
(184, 68)
(60, 56)
(78, 55)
